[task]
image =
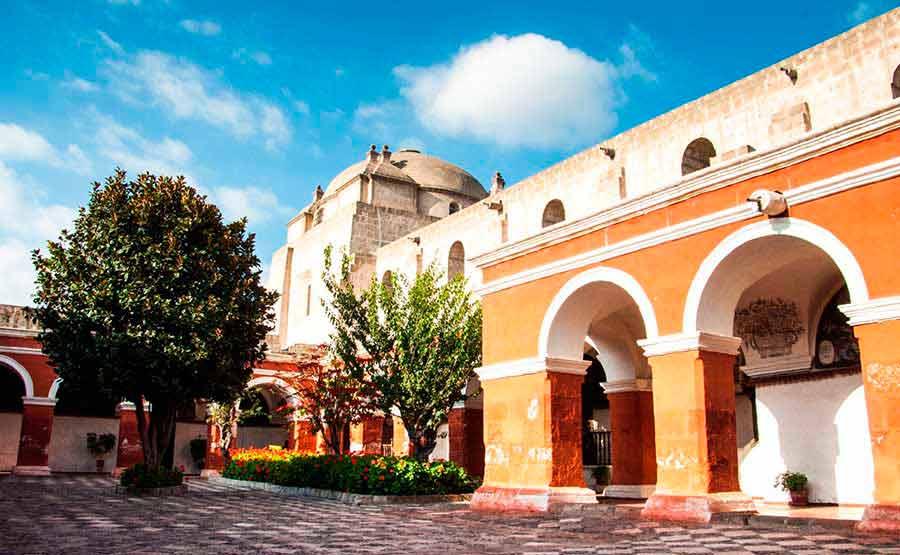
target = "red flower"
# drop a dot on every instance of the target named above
(381, 477)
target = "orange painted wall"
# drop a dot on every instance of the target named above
(865, 219)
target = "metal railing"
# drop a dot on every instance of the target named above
(597, 448)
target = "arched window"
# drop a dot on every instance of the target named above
(895, 83)
(456, 262)
(554, 213)
(387, 280)
(12, 389)
(453, 209)
(697, 155)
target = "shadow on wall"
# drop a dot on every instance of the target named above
(819, 428)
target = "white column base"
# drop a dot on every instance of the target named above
(642, 491)
(31, 471)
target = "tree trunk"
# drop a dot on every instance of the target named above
(157, 433)
(424, 442)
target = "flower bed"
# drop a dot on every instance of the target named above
(364, 474)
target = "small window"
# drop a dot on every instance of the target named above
(554, 213)
(697, 155)
(456, 262)
(387, 280)
(454, 208)
(895, 83)
(308, 299)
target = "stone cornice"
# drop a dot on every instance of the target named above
(39, 401)
(681, 342)
(872, 311)
(780, 365)
(534, 365)
(812, 191)
(885, 119)
(21, 350)
(18, 332)
(622, 386)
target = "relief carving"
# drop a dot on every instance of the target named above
(770, 326)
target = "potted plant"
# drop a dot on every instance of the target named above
(795, 483)
(99, 445)
(198, 451)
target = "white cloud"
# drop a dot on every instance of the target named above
(861, 12)
(18, 275)
(243, 55)
(36, 75)
(18, 143)
(110, 43)
(124, 2)
(526, 90)
(301, 107)
(414, 143)
(257, 205)
(27, 221)
(131, 151)
(81, 85)
(339, 72)
(188, 91)
(205, 28)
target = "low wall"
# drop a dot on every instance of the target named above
(819, 428)
(261, 436)
(10, 428)
(184, 433)
(68, 443)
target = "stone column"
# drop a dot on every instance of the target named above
(633, 439)
(876, 325)
(532, 430)
(696, 432)
(215, 462)
(34, 438)
(466, 438)
(129, 451)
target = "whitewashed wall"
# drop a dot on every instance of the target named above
(10, 428)
(260, 436)
(819, 428)
(184, 433)
(68, 443)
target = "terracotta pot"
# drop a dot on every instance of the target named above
(100, 464)
(799, 498)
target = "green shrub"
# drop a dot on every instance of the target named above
(791, 481)
(143, 476)
(367, 474)
(101, 444)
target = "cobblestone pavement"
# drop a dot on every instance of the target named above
(83, 515)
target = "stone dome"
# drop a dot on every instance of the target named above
(426, 171)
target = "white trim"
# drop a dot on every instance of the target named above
(595, 275)
(534, 365)
(18, 332)
(622, 386)
(813, 191)
(872, 124)
(54, 388)
(264, 372)
(278, 382)
(872, 311)
(38, 401)
(790, 227)
(781, 365)
(23, 373)
(629, 492)
(697, 341)
(20, 350)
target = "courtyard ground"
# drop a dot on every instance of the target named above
(83, 515)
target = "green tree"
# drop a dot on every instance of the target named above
(152, 297)
(422, 341)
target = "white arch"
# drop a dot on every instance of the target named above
(54, 389)
(600, 274)
(788, 227)
(276, 381)
(23, 373)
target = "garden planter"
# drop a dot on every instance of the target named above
(799, 498)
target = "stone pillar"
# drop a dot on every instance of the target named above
(215, 462)
(466, 438)
(633, 439)
(696, 432)
(401, 446)
(532, 430)
(34, 438)
(303, 437)
(357, 444)
(129, 451)
(876, 325)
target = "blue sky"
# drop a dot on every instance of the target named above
(258, 104)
